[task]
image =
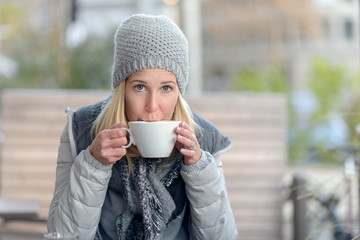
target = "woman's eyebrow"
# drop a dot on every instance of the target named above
(137, 81)
(169, 82)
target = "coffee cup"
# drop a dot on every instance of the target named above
(153, 139)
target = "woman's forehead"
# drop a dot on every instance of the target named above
(153, 73)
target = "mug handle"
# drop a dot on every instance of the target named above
(131, 141)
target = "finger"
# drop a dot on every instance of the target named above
(112, 152)
(188, 153)
(119, 125)
(185, 133)
(186, 142)
(110, 138)
(110, 157)
(106, 152)
(192, 145)
(187, 127)
(117, 153)
(105, 145)
(114, 133)
(116, 143)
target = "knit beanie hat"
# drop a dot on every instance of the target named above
(143, 41)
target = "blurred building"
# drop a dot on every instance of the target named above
(100, 17)
(339, 42)
(285, 34)
(70, 22)
(224, 36)
(40, 16)
(90, 16)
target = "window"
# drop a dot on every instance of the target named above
(349, 29)
(326, 28)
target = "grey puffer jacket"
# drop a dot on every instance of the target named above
(83, 204)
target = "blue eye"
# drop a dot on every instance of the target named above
(166, 88)
(140, 87)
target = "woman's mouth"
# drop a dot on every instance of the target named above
(149, 120)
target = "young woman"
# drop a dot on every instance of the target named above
(104, 191)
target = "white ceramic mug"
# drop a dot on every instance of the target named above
(153, 139)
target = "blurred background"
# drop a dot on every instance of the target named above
(306, 51)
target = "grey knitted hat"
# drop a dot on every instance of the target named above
(143, 41)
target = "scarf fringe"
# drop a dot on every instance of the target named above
(149, 204)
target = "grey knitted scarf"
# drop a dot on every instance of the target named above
(149, 206)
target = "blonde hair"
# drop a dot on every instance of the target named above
(114, 112)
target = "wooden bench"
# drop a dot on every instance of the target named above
(256, 124)
(32, 121)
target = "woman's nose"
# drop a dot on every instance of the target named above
(152, 103)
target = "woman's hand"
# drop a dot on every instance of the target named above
(187, 143)
(107, 145)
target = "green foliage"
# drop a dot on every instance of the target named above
(327, 84)
(333, 89)
(45, 62)
(269, 80)
(11, 14)
(352, 107)
(90, 65)
(43, 59)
